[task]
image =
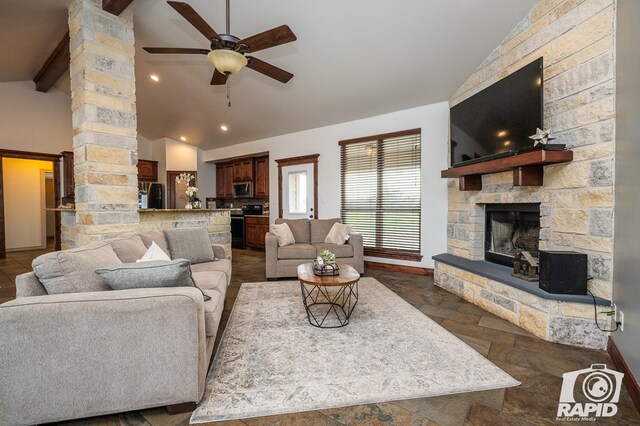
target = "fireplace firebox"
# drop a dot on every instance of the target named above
(510, 228)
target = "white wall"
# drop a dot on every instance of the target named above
(181, 156)
(432, 119)
(24, 202)
(206, 178)
(145, 148)
(34, 121)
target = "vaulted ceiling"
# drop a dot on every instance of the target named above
(353, 59)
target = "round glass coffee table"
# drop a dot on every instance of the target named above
(329, 300)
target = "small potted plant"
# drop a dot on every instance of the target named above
(325, 264)
(191, 190)
(327, 256)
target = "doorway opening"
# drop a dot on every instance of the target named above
(29, 186)
(298, 187)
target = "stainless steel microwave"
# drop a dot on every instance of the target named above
(242, 190)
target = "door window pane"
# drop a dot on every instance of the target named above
(298, 192)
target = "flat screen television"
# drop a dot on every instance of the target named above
(498, 120)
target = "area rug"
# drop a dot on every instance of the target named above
(271, 361)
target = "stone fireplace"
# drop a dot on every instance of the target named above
(575, 201)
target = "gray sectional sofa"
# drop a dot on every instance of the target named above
(86, 351)
(309, 238)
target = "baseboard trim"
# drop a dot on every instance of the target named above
(629, 380)
(415, 270)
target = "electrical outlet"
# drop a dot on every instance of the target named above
(621, 321)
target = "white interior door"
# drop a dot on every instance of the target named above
(298, 191)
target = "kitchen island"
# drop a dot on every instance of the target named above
(217, 222)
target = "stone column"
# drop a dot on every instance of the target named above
(103, 103)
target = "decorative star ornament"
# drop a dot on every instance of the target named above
(541, 137)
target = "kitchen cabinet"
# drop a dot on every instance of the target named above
(261, 188)
(243, 170)
(240, 170)
(147, 171)
(228, 181)
(256, 228)
(224, 180)
(219, 180)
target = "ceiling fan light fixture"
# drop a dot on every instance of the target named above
(228, 62)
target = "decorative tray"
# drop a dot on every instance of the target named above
(325, 269)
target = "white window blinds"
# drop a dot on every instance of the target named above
(380, 192)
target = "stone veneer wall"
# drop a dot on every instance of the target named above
(576, 39)
(218, 223)
(103, 104)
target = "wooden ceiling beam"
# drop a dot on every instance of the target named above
(55, 65)
(115, 6)
(58, 62)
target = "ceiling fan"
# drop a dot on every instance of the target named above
(229, 53)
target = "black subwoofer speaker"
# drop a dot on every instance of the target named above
(563, 272)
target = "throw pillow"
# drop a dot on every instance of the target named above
(339, 234)
(151, 274)
(283, 232)
(128, 249)
(154, 253)
(157, 237)
(192, 244)
(72, 271)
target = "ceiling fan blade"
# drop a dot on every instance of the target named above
(273, 37)
(176, 50)
(218, 78)
(194, 19)
(268, 69)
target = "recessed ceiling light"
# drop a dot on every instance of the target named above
(224, 128)
(183, 138)
(502, 133)
(507, 143)
(154, 77)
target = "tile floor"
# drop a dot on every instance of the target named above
(537, 364)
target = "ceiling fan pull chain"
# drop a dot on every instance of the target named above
(228, 93)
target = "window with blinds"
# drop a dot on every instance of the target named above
(380, 185)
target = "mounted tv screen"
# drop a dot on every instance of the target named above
(498, 121)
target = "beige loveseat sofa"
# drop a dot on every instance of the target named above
(88, 353)
(309, 236)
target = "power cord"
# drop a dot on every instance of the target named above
(608, 313)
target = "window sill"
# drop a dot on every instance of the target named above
(392, 254)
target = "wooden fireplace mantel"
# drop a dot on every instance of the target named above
(527, 168)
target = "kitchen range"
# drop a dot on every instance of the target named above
(238, 223)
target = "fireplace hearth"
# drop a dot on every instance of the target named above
(510, 229)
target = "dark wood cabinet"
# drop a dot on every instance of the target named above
(147, 171)
(68, 179)
(228, 181)
(255, 229)
(261, 177)
(224, 180)
(220, 189)
(243, 170)
(237, 171)
(246, 169)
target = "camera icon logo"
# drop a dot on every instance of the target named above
(599, 385)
